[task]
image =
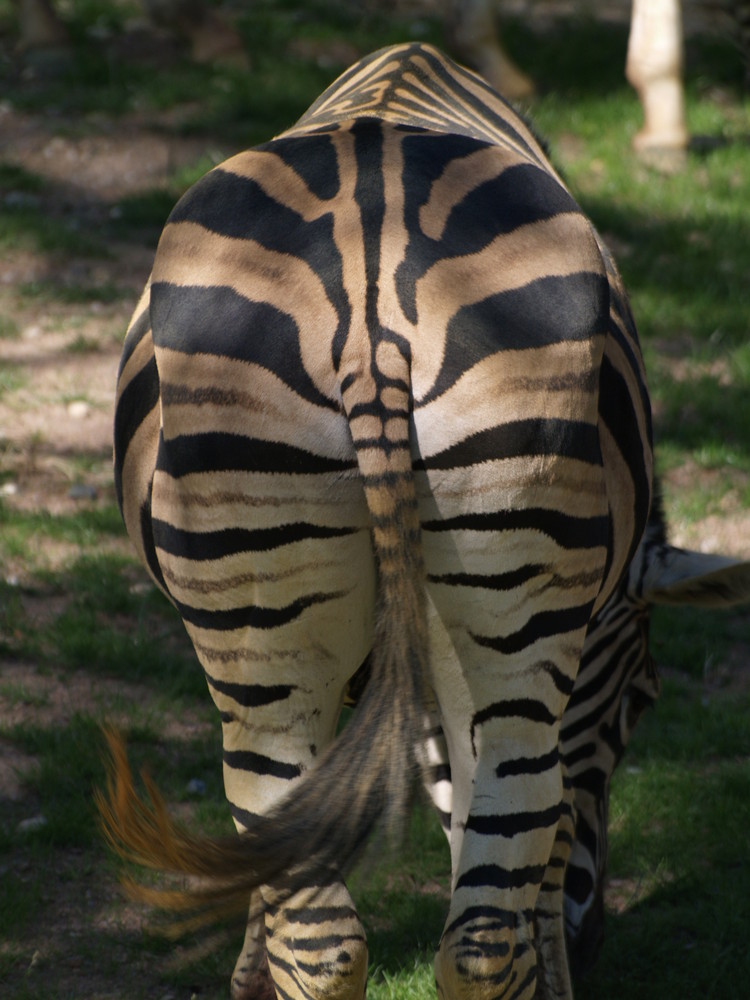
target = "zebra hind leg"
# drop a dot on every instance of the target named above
(553, 977)
(251, 979)
(316, 943)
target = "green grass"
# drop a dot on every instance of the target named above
(11, 379)
(24, 532)
(72, 294)
(679, 819)
(8, 328)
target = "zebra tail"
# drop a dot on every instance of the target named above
(365, 778)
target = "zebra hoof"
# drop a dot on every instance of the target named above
(253, 984)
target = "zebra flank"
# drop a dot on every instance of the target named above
(383, 400)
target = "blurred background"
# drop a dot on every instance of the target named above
(102, 128)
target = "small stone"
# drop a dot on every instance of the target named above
(196, 787)
(32, 823)
(9, 489)
(78, 410)
(82, 491)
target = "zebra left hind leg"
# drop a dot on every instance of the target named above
(316, 943)
(316, 948)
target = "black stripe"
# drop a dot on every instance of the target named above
(518, 195)
(617, 411)
(543, 625)
(314, 971)
(528, 765)
(137, 400)
(314, 158)
(207, 545)
(373, 407)
(195, 320)
(630, 346)
(618, 647)
(243, 816)
(523, 986)
(593, 780)
(603, 631)
(566, 530)
(218, 452)
(383, 444)
(548, 310)
(454, 92)
(519, 439)
(586, 835)
(585, 751)
(579, 885)
(526, 708)
(493, 876)
(310, 915)
(487, 918)
(440, 772)
(138, 329)
(514, 823)
(247, 760)
(611, 736)
(251, 695)
(238, 207)
(253, 616)
(562, 836)
(444, 818)
(377, 480)
(562, 681)
(369, 195)
(291, 971)
(600, 709)
(523, 708)
(491, 581)
(147, 537)
(319, 943)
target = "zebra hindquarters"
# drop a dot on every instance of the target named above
(512, 578)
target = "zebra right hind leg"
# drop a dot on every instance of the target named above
(251, 979)
(553, 976)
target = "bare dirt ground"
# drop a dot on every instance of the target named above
(65, 359)
(56, 456)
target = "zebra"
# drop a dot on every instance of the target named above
(383, 400)
(653, 66)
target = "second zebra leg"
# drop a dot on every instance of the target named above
(553, 977)
(251, 979)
